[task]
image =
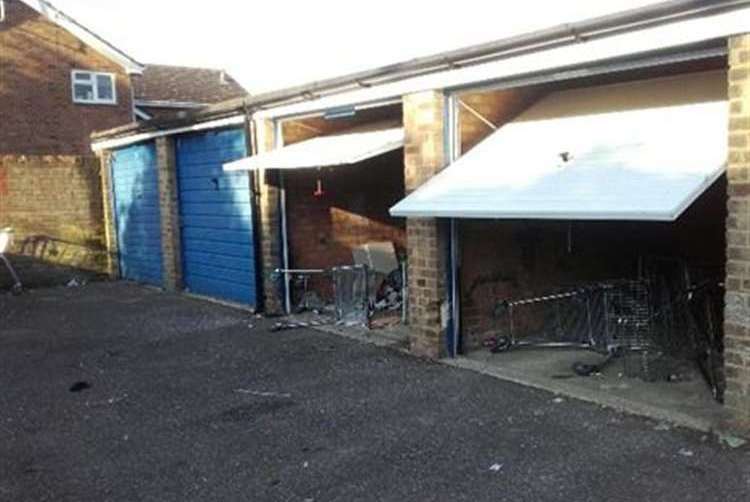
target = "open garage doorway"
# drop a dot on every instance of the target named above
(340, 172)
(590, 218)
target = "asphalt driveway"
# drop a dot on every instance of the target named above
(187, 401)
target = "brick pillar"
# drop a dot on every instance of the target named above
(737, 313)
(170, 215)
(424, 156)
(269, 219)
(110, 228)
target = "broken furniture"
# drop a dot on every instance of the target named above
(6, 236)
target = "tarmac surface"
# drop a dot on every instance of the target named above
(178, 399)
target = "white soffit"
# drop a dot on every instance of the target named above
(635, 163)
(644, 41)
(333, 150)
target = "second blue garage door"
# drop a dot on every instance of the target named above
(216, 217)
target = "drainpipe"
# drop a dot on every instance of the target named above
(278, 139)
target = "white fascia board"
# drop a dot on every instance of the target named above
(130, 65)
(644, 41)
(161, 103)
(110, 144)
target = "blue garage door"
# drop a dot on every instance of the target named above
(135, 187)
(216, 217)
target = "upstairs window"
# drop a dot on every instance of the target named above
(93, 88)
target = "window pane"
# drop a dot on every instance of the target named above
(83, 77)
(83, 92)
(104, 87)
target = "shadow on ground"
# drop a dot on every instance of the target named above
(188, 402)
(38, 273)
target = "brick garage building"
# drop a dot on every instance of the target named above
(50, 191)
(59, 82)
(661, 40)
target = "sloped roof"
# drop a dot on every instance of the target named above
(85, 35)
(179, 84)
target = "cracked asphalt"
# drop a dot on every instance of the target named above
(193, 401)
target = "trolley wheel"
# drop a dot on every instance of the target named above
(502, 344)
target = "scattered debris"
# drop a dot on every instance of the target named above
(496, 467)
(79, 386)
(251, 326)
(685, 452)
(75, 283)
(558, 400)
(262, 393)
(732, 441)
(288, 325)
(663, 427)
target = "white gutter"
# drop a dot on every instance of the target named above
(109, 144)
(649, 40)
(163, 103)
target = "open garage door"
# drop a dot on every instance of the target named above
(645, 165)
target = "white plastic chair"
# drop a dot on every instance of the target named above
(6, 235)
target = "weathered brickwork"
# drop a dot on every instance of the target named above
(270, 223)
(737, 314)
(36, 105)
(424, 156)
(170, 214)
(54, 205)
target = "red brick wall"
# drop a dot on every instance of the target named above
(54, 205)
(353, 210)
(513, 259)
(36, 106)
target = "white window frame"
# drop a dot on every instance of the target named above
(96, 100)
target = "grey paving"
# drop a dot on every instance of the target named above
(187, 402)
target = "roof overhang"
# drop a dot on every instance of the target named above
(85, 35)
(674, 41)
(663, 33)
(325, 151)
(110, 144)
(566, 159)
